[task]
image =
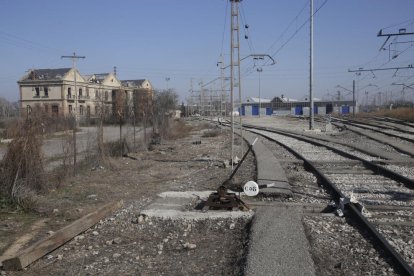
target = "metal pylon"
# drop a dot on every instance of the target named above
(235, 85)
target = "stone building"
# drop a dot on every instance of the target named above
(53, 92)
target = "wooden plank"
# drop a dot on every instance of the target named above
(57, 239)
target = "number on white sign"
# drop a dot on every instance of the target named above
(251, 188)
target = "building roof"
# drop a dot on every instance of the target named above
(305, 98)
(45, 74)
(101, 76)
(257, 100)
(133, 83)
(96, 78)
(283, 99)
(87, 77)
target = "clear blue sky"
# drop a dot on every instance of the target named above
(183, 39)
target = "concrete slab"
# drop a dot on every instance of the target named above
(180, 206)
(278, 245)
(268, 167)
(269, 170)
(280, 189)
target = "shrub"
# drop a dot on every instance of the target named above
(21, 170)
(176, 130)
(211, 133)
(402, 113)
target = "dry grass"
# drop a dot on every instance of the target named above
(47, 124)
(202, 126)
(403, 113)
(116, 148)
(21, 170)
(211, 133)
(177, 129)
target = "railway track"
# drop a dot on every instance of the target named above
(392, 130)
(355, 180)
(395, 121)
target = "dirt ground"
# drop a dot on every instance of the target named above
(124, 243)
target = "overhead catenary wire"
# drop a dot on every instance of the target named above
(18, 41)
(288, 27)
(298, 29)
(224, 29)
(394, 57)
(409, 21)
(246, 28)
(250, 70)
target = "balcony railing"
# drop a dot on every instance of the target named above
(82, 97)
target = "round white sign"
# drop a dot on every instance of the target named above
(251, 188)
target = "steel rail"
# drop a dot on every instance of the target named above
(358, 124)
(409, 183)
(397, 121)
(397, 260)
(396, 147)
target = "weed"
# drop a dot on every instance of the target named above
(177, 129)
(21, 170)
(211, 133)
(403, 113)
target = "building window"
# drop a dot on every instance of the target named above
(70, 108)
(69, 92)
(81, 109)
(106, 95)
(80, 92)
(46, 91)
(87, 92)
(88, 111)
(96, 110)
(55, 110)
(37, 91)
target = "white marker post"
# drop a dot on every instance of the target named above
(251, 188)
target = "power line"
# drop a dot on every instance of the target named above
(224, 29)
(402, 32)
(411, 21)
(289, 25)
(25, 43)
(251, 70)
(410, 66)
(298, 29)
(246, 29)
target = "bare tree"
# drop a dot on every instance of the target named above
(165, 102)
(101, 112)
(143, 107)
(8, 109)
(21, 170)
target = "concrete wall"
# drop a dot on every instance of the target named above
(248, 110)
(321, 110)
(283, 112)
(29, 92)
(305, 111)
(70, 76)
